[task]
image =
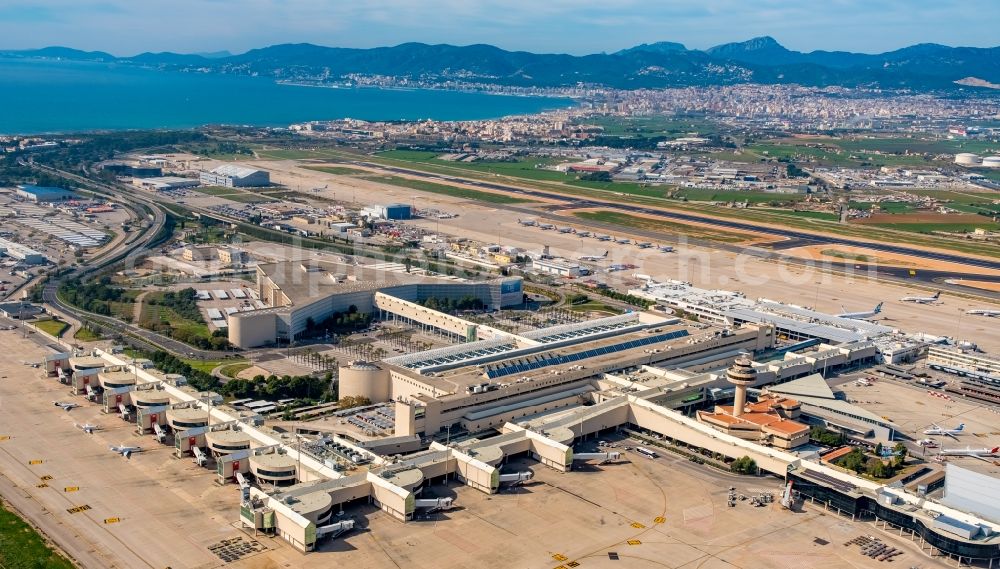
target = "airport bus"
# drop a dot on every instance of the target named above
(646, 452)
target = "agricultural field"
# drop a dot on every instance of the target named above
(651, 126)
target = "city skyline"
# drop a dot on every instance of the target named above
(187, 26)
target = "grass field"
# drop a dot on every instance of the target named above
(646, 224)
(529, 168)
(443, 189)
(233, 195)
(21, 547)
(931, 227)
(52, 327)
(709, 195)
(823, 215)
(233, 369)
(337, 170)
(86, 335)
(155, 313)
(208, 365)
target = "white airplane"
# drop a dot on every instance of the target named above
(984, 312)
(565, 230)
(644, 245)
(527, 222)
(953, 433)
(546, 226)
(87, 428)
(980, 453)
(125, 451)
(922, 299)
(604, 238)
(666, 249)
(65, 406)
(623, 241)
(595, 257)
(583, 233)
(929, 443)
(862, 315)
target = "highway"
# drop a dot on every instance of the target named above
(689, 217)
(131, 248)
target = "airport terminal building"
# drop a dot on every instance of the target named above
(297, 293)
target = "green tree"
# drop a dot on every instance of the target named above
(744, 465)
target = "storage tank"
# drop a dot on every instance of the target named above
(968, 159)
(991, 162)
(364, 379)
(224, 442)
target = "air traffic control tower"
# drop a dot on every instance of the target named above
(741, 374)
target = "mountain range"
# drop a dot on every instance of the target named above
(663, 64)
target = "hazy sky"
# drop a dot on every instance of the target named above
(126, 27)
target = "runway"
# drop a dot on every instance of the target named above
(814, 238)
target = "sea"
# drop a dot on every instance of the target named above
(51, 96)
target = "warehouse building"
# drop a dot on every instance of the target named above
(393, 211)
(22, 253)
(233, 176)
(40, 194)
(164, 183)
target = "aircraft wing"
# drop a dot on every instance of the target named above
(950, 435)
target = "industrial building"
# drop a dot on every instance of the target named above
(22, 253)
(40, 194)
(973, 487)
(557, 267)
(164, 183)
(964, 363)
(299, 292)
(234, 176)
(394, 211)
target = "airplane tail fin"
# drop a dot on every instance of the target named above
(994, 450)
(605, 254)
(878, 307)
(936, 295)
(960, 427)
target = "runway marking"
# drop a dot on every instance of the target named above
(659, 520)
(634, 542)
(637, 525)
(42, 485)
(71, 489)
(36, 461)
(112, 520)
(4, 437)
(78, 509)
(559, 557)
(45, 478)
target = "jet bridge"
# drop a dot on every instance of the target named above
(116, 400)
(146, 418)
(195, 438)
(228, 466)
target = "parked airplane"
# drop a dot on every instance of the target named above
(546, 226)
(929, 443)
(981, 453)
(623, 241)
(125, 450)
(583, 233)
(65, 406)
(565, 230)
(666, 249)
(527, 222)
(595, 257)
(922, 299)
(87, 428)
(604, 238)
(644, 245)
(984, 312)
(953, 433)
(862, 315)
